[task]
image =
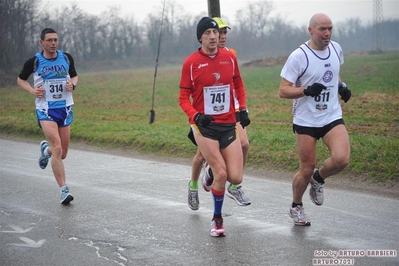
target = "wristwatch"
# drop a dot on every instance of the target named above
(73, 85)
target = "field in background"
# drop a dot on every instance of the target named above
(112, 111)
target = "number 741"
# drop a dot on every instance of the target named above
(218, 97)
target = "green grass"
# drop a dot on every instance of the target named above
(112, 111)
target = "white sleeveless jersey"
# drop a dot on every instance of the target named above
(306, 66)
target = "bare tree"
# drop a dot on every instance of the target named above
(123, 42)
(252, 27)
(255, 18)
(17, 19)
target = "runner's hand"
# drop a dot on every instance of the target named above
(344, 92)
(203, 120)
(244, 119)
(314, 90)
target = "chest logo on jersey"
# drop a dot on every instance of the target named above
(327, 77)
(202, 65)
(57, 70)
(216, 75)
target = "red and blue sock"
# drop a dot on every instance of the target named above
(218, 198)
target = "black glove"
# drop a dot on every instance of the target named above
(314, 90)
(244, 119)
(203, 120)
(344, 92)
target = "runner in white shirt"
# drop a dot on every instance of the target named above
(311, 78)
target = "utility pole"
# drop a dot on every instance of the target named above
(213, 8)
(378, 34)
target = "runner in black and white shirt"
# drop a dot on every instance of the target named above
(311, 78)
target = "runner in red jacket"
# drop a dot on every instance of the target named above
(209, 78)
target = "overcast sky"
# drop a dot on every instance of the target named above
(298, 11)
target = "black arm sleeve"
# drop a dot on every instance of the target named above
(72, 70)
(27, 70)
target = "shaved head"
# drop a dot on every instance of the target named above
(319, 19)
(320, 30)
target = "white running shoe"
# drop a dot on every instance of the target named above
(193, 199)
(217, 228)
(238, 195)
(299, 216)
(316, 191)
(207, 179)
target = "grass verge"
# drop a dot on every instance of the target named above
(112, 111)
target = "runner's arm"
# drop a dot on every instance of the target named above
(23, 76)
(185, 104)
(287, 91)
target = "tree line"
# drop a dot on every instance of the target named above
(125, 42)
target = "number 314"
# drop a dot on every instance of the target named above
(56, 88)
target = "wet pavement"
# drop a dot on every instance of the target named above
(130, 211)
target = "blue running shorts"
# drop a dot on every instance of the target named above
(62, 116)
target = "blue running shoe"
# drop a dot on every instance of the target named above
(43, 160)
(66, 197)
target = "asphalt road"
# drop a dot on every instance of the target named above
(131, 211)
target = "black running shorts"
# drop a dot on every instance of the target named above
(317, 132)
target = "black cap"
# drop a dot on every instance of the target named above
(204, 24)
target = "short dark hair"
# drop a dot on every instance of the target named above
(45, 31)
